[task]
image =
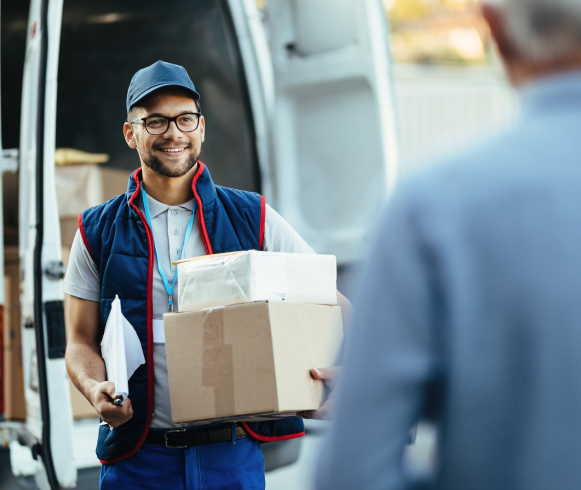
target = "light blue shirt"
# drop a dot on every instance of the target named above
(472, 303)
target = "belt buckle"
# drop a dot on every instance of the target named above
(172, 432)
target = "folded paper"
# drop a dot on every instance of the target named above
(121, 350)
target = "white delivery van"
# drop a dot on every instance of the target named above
(298, 105)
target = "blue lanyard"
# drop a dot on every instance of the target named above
(168, 288)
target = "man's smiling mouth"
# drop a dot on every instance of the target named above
(171, 150)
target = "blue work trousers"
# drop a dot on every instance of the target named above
(224, 465)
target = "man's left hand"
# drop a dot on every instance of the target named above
(328, 376)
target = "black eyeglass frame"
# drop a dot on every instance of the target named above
(169, 120)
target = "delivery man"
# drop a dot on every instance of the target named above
(126, 247)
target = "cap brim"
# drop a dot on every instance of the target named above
(162, 85)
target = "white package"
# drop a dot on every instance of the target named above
(243, 277)
(121, 350)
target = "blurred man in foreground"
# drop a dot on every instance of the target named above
(471, 308)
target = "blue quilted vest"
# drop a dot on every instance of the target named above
(120, 242)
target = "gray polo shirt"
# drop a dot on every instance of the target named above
(169, 225)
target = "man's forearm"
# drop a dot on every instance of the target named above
(85, 365)
(86, 368)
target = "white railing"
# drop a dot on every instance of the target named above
(441, 109)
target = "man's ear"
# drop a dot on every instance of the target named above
(129, 134)
(202, 128)
(494, 18)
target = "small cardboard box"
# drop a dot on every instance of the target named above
(248, 276)
(252, 359)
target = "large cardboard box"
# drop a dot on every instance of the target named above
(252, 359)
(243, 277)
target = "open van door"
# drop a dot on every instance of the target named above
(334, 136)
(48, 406)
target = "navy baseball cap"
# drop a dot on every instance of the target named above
(158, 75)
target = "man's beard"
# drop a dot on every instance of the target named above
(171, 170)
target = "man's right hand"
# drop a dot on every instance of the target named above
(102, 399)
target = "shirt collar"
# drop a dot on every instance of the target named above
(156, 207)
(554, 91)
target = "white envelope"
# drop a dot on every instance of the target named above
(121, 350)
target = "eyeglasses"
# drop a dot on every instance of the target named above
(186, 123)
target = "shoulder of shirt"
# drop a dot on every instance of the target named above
(271, 214)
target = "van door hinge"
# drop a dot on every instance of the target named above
(9, 160)
(55, 270)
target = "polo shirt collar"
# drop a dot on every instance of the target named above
(156, 207)
(554, 92)
(204, 186)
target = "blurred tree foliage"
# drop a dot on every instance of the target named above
(409, 10)
(437, 31)
(403, 11)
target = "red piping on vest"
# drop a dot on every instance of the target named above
(201, 222)
(262, 221)
(82, 230)
(150, 375)
(274, 438)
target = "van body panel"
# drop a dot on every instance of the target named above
(334, 131)
(61, 420)
(254, 51)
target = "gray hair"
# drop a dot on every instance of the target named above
(543, 30)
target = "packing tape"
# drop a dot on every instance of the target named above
(218, 363)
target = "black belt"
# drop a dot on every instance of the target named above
(180, 438)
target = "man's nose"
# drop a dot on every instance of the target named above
(173, 131)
